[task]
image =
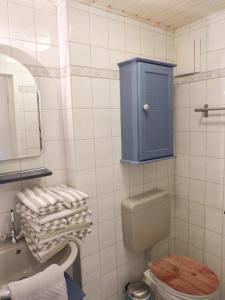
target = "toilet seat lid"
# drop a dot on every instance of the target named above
(185, 275)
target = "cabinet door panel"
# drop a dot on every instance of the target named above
(155, 121)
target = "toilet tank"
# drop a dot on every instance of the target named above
(146, 220)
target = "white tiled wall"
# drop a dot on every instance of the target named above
(99, 40)
(210, 31)
(96, 39)
(28, 32)
(200, 149)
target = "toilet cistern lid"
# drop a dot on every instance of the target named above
(185, 275)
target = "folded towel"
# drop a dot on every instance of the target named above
(41, 220)
(82, 194)
(59, 223)
(47, 197)
(71, 197)
(62, 232)
(45, 245)
(44, 251)
(45, 200)
(47, 227)
(47, 285)
(51, 217)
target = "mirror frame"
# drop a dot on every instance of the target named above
(40, 121)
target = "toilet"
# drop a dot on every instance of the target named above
(146, 221)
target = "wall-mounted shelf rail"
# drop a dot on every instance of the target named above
(24, 175)
(206, 109)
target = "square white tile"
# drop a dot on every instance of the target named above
(79, 28)
(99, 31)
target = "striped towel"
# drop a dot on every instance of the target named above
(60, 223)
(47, 248)
(47, 200)
(51, 217)
(41, 220)
(41, 238)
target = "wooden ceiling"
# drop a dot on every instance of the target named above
(166, 13)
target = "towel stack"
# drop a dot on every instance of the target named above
(51, 217)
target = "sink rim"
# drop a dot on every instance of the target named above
(72, 256)
(4, 291)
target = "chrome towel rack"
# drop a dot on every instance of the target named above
(4, 293)
(206, 109)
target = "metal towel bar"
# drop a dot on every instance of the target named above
(206, 109)
(4, 293)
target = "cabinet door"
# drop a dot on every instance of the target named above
(155, 111)
(188, 57)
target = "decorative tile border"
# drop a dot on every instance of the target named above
(200, 76)
(94, 72)
(73, 70)
(89, 72)
(39, 71)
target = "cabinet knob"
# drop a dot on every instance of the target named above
(146, 107)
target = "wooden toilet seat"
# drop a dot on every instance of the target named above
(185, 275)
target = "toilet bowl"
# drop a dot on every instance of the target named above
(146, 221)
(173, 292)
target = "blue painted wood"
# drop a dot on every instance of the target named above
(129, 111)
(156, 124)
(149, 61)
(146, 136)
(142, 162)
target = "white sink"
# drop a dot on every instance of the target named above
(17, 262)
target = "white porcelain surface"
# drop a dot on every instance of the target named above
(103, 152)
(85, 154)
(101, 93)
(196, 236)
(21, 21)
(160, 45)
(147, 42)
(214, 32)
(213, 243)
(132, 38)
(102, 123)
(197, 167)
(46, 24)
(79, 26)
(100, 57)
(48, 55)
(17, 262)
(81, 92)
(116, 35)
(80, 54)
(213, 219)
(4, 31)
(99, 31)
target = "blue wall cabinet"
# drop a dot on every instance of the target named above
(146, 92)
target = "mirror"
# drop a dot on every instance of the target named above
(20, 123)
